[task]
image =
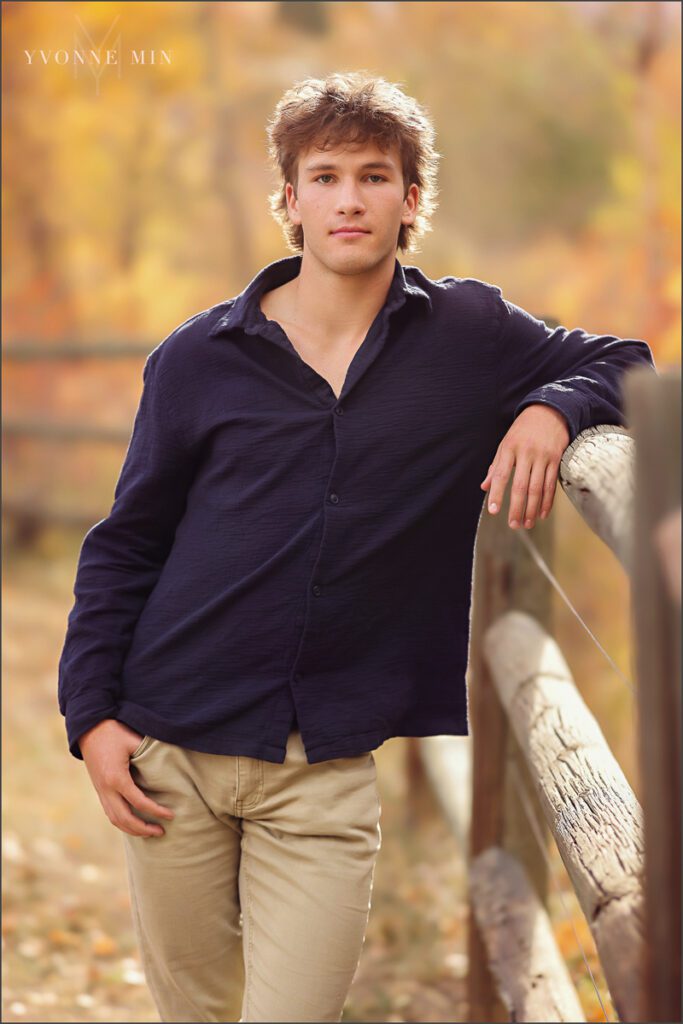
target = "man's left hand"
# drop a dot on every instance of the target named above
(534, 446)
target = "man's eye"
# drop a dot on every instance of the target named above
(369, 176)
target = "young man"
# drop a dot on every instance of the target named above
(283, 581)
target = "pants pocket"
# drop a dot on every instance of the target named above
(142, 746)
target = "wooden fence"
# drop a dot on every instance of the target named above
(539, 768)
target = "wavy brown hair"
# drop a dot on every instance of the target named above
(347, 108)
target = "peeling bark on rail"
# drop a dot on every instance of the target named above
(586, 799)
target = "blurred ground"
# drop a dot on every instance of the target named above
(69, 949)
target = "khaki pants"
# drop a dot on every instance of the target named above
(256, 900)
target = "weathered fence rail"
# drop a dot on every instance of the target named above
(531, 976)
(589, 806)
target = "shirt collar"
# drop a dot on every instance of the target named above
(246, 314)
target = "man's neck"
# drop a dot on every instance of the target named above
(336, 307)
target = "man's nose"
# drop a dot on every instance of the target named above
(349, 197)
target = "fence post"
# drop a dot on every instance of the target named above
(653, 407)
(505, 577)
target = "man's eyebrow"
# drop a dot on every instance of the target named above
(333, 167)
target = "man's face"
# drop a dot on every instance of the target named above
(359, 186)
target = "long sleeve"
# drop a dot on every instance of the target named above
(577, 373)
(121, 559)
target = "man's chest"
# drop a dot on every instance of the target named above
(279, 411)
(331, 362)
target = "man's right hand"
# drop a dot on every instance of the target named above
(106, 750)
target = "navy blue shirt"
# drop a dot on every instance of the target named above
(275, 554)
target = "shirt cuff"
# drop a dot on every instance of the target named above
(81, 716)
(570, 417)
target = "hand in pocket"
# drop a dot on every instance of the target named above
(107, 749)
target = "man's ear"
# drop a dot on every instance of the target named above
(292, 202)
(410, 202)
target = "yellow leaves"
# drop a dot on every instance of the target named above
(671, 287)
(570, 932)
(669, 347)
(61, 939)
(573, 936)
(451, 927)
(627, 173)
(10, 922)
(73, 841)
(104, 945)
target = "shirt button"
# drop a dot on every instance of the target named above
(339, 410)
(334, 498)
(316, 590)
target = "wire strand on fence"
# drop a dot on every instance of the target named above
(547, 572)
(531, 817)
